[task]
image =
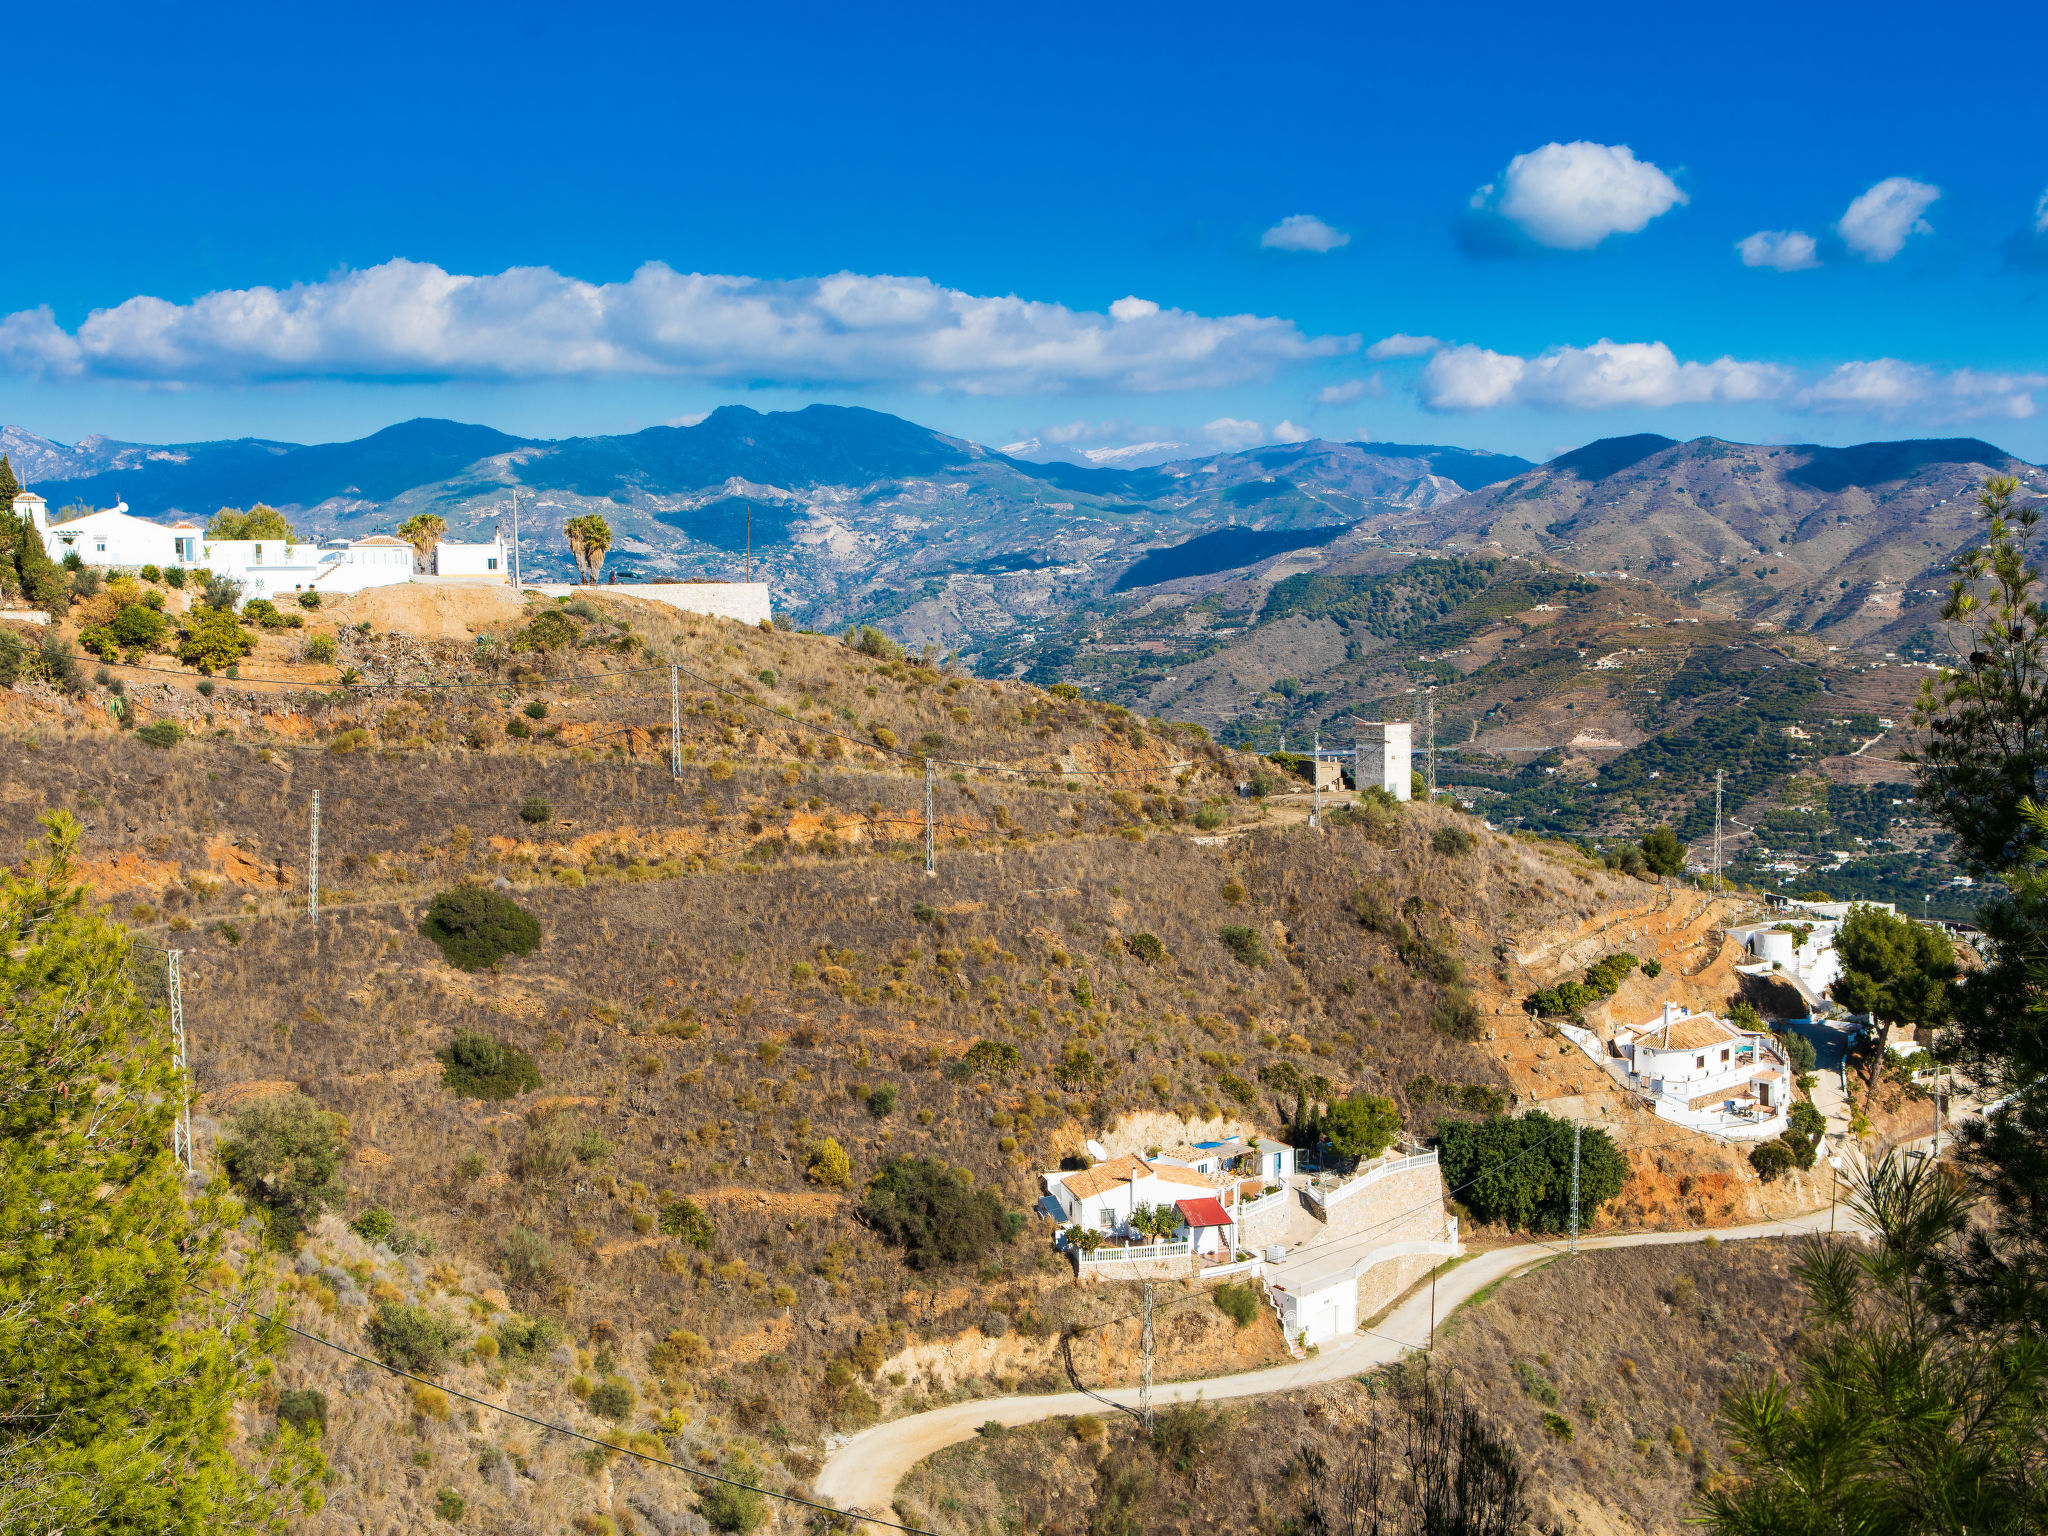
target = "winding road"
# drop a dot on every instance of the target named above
(861, 1475)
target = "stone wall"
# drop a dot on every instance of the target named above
(1399, 1207)
(1379, 1286)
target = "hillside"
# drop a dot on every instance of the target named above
(734, 967)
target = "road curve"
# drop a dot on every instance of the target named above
(862, 1474)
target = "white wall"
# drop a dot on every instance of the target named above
(491, 561)
(1385, 758)
(743, 601)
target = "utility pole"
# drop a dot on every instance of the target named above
(1717, 828)
(517, 585)
(313, 868)
(675, 724)
(1575, 1187)
(181, 1128)
(1145, 1380)
(1315, 774)
(1429, 728)
(931, 846)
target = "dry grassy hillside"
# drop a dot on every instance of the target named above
(1591, 1367)
(737, 965)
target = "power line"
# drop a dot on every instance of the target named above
(563, 1429)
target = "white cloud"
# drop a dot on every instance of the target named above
(1340, 394)
(1401, 344)
(1303, 232)
(1878, 222)
(1288, 432)
(412, 320)
(1887, 387)
(1573, 196)
(1784, 250)
(1610, 375)
(1230, 434)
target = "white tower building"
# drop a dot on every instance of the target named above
(1385, 756)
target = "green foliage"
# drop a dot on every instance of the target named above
(613, 1399)
(869, 641)
(124, 1343)
(733, 1510)
(1602, 981)
(1771, 1158)
(1798, 1050)
(322, 649)
(259, 522)
(536, 812)
(1453, 841)
(423, 530)
(992, 1058)
(476, 928)
(1238, 1089)
(1243, 943)
(1239, 1303)
(1363, 1125)
(309, 599)
(1663, 852)
(932, 1212)
(686, 1219)
(882, 1101)
(261, 610)
(1186, 1435)
(589, 536)
(1900, 970)
(829, 1165)
(304, 1409)
(550, 630)
(521, 1340)
(476, 1066)
(285, 1152)
(1393, 606)
(1147, 948)
(1519, 1171)
(412, 1338)
(535, 709)
(214, 640)
(450, 1505)
(162, 733)
(139, 627)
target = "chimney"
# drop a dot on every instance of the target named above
(1670, 1012)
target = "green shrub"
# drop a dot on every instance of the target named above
(476, 1066)
(733, 1510)
(613, 1400)
(1571, 997)
(162, 733)
(523, 1340)
(536, 710)
(829, 1165)
(476, 928)
(374, 1225)
(309, 600)
(321, 648)
(1147, 948)
(354, 739)
(518, 729)
(1209, 817)
(1243, 943)
(1363, 1125)
(151, 573)
(412, 1338)
(214, 640)
(175, 576)
(1453, 841)
(687, 1220)
(1558, 1425)
(304, 1409)
(550, 630)
(932, 1212)
(991, 1058)
(1663, 852)
(1518, 1171)
(535, 812)
(1238, 1088)
(261, 610)
(882, 1102)
(1239, 1303)
(285, 1152)
(450, 1505)
(139, 627)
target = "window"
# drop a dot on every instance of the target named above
(100, 547)
(491, 564)
(1724, 1053)
(1700, 1062)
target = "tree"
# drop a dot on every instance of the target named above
(139, 627)
(24, 561)
(479, 1067)
(215, 641)
(685, 1219)
(475, 928)
(1903, 1414)
(1663, 852)
(589, 537)
(423, 530)
(1519, 1171)
(932, 1211)
(259, 522)
(286, 1152)
(1895, 968)
(1364, 1125)
(125, 1340)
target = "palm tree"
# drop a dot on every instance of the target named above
(423, 531)
(589, 537)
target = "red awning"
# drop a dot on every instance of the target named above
(1202, 1213)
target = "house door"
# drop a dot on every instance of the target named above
(1325, 1325)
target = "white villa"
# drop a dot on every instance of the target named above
(1211, 1184)
(1702, 1072)
(1800, 946)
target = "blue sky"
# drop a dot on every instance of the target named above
(1092, 226)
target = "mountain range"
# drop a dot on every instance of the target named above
(853, 514)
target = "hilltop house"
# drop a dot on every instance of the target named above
(1800, 945)
(479, 562)
(1213, 1185)
(1701, 1072)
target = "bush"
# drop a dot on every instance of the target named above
(1456, 1015)
(1243, 943)
(1653, 968)
(882, 1102)
(175, 577)
(450, 1505)
(1364, 1125)
(309, 600)
(1453, 842)
(304, 1409)
(1799, 1051)
(550, 630)
(730, 1509)
(1571, 997)
(374, 1225)
(991, 1058)
(529, 1263)
(613, 1400)
(829, 1165)
(1147, 948)
(477, 1066)
(681, 1350)
(162, 733)
(261, 610)
(1663, 852)
(285, 1152)
(139, 627)
(412, 1338)
(523, 1340)
(536, 812)
(214, 640)
(1239, 1303)
(151, 573)
(1519, 1171)
(686, 1219)
(1209, 818)
(535, 710)
(354, 739)
(1772, 1158)
(932, 1212)
(476, 928)
(321, 648)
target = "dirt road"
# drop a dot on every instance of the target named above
(862, 1474)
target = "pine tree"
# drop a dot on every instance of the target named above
(125, 1342)
(33, 573)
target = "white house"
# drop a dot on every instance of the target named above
(487, 562)
(1103, 1197)
(1210, 1184)
(112, 537)
(1704, 1073)
(1801, 944)
(1385, 757)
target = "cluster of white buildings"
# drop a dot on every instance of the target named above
(1210, 1186)
(1702, 1072)
(270, 568)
